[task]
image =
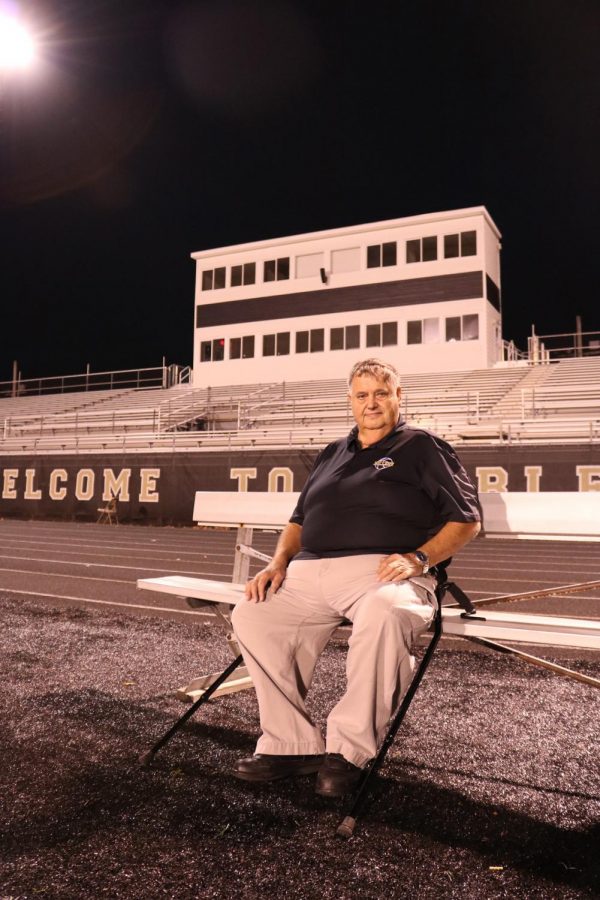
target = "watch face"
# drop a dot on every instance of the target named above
(422, 557)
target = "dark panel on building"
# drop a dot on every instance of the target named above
(460, 286)
(492, 292)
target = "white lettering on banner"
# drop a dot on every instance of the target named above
(491, 478)
(9, 491)
(84, 484)
(30, 492)
(533, 475)
(54, 491)
(589, 478)
(117, 485)
(283, 473)
(243, 476)
(148, 479)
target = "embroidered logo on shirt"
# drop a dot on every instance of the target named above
(384, 463)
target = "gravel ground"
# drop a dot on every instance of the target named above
(493, 789)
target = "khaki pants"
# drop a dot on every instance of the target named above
(282, 638)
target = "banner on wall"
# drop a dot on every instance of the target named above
(160, 488)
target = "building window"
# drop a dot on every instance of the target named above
(213, 279)
(347, 338)
(421, 250)
(470, 327)
(317, 340)
(352, 337)
(336, 339)
(269, 345)
(302, 342)
(282, 347)
(423, 331)
(451, 246)
(243, 274)
(277, 269)
(453, 328)
(373, 335)
(345, 260)
(381, 255)
(468, 243)
(241, 347)
(389, 334)
(463, 244)
(309, 265)
(276, 344)
(384, 335)
(212, 351)
(462, 328)
(414, 332)
(313, 340)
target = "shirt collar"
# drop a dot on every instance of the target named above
(386, 441)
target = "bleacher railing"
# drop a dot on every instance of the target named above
(573, 345)
(158, 376)
(490, 433)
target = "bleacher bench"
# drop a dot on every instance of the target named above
(270, 511)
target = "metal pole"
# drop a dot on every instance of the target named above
(146, 758)
(578, 337)
(346, 827)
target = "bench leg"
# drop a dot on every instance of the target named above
(346, 827)
(239, 681)
(535, 660)
(146, 758)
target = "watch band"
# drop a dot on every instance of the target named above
(423, 559)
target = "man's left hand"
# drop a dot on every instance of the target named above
(398, 567)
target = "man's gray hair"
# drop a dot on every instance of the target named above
(376, 368)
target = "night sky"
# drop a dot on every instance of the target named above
(154, 129)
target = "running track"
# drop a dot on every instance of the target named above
(98, 565)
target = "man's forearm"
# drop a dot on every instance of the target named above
(289, 543)
(449, 540)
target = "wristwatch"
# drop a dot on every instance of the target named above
(423, 559)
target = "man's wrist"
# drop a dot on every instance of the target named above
(423, 559)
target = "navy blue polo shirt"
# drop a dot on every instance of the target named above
(388, 498)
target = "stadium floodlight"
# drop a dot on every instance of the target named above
(17, 46)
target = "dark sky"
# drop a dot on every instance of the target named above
(155, 128)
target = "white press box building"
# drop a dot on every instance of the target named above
(422, 292)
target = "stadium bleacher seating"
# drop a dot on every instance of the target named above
(554, 402)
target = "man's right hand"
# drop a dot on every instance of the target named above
(271, 577)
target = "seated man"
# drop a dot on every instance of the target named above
(379, 509)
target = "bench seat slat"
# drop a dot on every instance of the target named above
(506, 626)
(196, 588)
(529, 629)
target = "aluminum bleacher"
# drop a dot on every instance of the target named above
(556, 402)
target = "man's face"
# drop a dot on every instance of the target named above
(375, 407)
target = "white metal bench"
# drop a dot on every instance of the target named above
(266, 510)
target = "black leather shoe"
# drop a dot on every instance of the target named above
(269, 767)
(337, 776)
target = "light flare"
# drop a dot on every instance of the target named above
(17, 46)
